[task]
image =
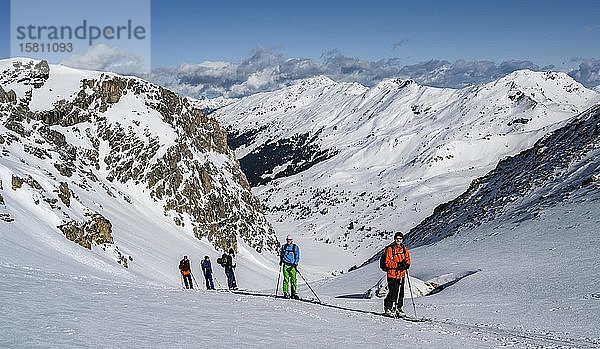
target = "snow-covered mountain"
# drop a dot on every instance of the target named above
(562, 165)
(527, 278)
(343, 166)
(209, 105)
(118, 166)
(519, 270)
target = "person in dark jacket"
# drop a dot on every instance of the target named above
(397, 262)
(207, 271)
(186, 272)
(289, 257)
(228, 262)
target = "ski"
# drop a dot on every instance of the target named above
(258, 294)
(412, 319)
(314, 301)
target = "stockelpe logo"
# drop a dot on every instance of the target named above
(112, 35)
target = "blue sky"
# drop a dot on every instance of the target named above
(268, 44)
(544, 32)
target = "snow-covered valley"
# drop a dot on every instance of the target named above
(513, 254)
(343, 166)
(535, 286)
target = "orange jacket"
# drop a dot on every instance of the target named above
(394, 255)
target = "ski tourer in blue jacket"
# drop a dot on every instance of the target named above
(289, 257)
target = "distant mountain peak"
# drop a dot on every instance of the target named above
(319, 80)
(348, 169)
(562, 165)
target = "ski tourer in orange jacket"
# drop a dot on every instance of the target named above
(397, 260)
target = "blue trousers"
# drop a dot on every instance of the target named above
(209, 281)
(230, 278)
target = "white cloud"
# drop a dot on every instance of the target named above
(400, 43)
(588, 72)
(104, 58)
(256, 82)
(265, 70)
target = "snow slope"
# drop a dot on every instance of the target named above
(533, 289)
(343, 166)
(529, 230)
(524, 276)
(118, 175)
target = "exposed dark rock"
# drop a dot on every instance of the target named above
(215, 198)
(7, 97)
(519, 121)
(17, 182)
(96, 231)
(64, 193)
(236, 139)
(64, 169)
(40, 73)
(301, 152)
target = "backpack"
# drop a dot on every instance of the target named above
(223, 260)
(382, 258)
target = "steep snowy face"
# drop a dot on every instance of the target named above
(345, 165)
(209, 105)
(82, 152)
(562, 165)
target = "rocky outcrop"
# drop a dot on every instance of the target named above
(7, 97)
(95, 231)
(113, 131)
(557, 166)
(64, 194)
(17, 182)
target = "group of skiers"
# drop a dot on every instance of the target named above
(227, 261)
(395, 261)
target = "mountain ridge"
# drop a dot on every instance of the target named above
(84, 152)
(318, 154)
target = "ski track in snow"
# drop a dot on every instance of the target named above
(61, 310)
(537, 286)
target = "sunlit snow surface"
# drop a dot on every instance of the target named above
(400, 148)
(535, 286)
(513, 282)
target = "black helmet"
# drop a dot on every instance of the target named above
(398, 235)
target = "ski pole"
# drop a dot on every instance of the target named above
(307, 284)
(193, 277)
(181, 279)
(411, 295)
(217, 281)
(278, 277)
(219, 285)
(398, 292)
